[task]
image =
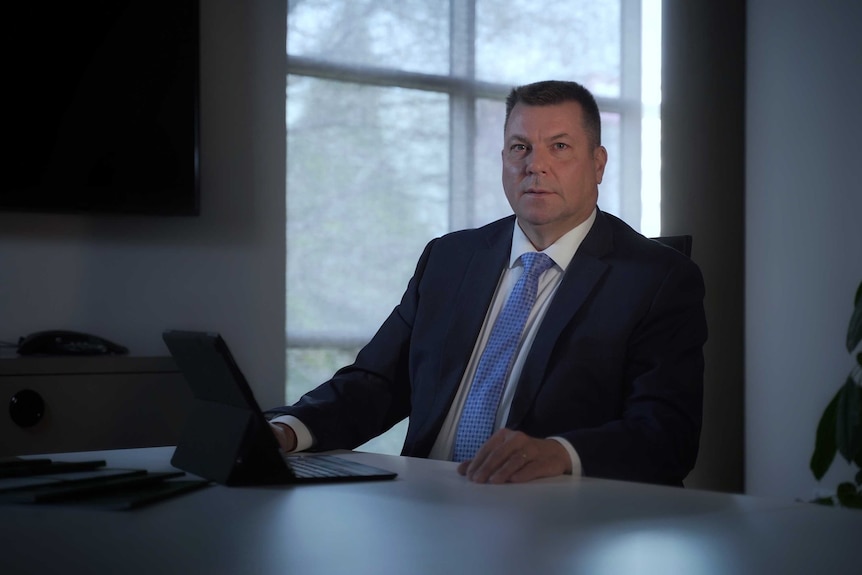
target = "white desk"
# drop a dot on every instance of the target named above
(431, 520)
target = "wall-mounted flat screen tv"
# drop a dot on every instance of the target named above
(101, 107)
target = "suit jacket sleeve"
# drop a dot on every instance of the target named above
(654, 375)
(371, 395)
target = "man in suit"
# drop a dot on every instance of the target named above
(607, 377)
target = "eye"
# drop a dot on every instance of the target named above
(518, 151)
(561, 146)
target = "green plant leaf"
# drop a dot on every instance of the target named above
(848, 420)
(854, 330)
(825, 446)
(848, 496)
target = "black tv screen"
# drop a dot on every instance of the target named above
(101, 107)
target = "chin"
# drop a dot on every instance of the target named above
(536, 215)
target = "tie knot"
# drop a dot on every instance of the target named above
(535, 263)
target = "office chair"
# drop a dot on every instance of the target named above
(679, 243)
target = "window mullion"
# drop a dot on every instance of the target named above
(462, 114)
(630, 118)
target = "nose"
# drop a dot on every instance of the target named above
(537, 161)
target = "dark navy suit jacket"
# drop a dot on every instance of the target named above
(616, 367)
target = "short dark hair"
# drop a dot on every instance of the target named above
(551, 92)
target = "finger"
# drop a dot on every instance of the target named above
(501, 455)
(550, 460)
(516, 463)
(481, 459)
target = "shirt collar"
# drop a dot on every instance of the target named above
(561, 251)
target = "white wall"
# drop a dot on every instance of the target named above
(130, 278)
(803, 230)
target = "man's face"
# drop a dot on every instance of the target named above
(551, 172)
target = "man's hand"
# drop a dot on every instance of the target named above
(285, 436)
(515, 457)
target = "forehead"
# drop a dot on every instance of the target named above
(545, 121)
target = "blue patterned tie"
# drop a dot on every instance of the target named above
(480, 410)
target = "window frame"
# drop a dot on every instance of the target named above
(463, 91)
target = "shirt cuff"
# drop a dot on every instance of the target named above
(304, 438)
(577, 470)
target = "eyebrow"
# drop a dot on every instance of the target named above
(524, 139)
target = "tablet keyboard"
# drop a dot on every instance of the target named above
(314, 466)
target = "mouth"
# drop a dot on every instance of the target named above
(536, 192)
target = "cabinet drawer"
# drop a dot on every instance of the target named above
(89, 403)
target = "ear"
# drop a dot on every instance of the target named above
(600, 160)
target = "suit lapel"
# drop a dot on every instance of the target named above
(478, 284)
(580, 279)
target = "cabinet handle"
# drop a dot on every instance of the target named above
(26, 408)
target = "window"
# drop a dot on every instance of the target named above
(394, 124)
